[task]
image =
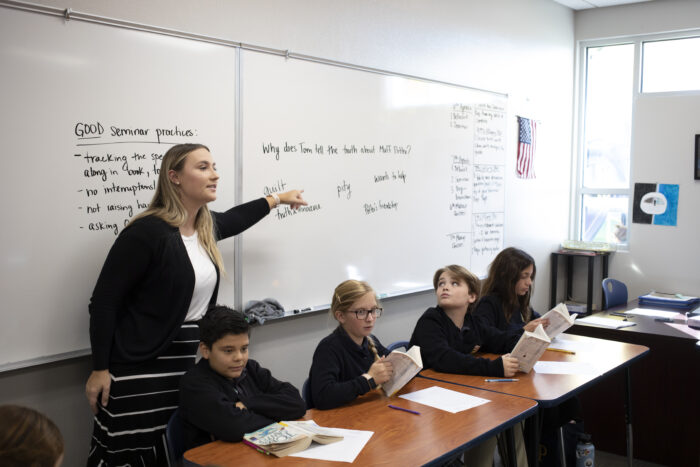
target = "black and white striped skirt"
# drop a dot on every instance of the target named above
(130, 430)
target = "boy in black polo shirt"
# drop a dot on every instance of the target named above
(226, 395)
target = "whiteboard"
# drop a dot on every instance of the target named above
(402, 176)
(87, 111)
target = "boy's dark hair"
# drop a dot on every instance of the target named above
(220, 321)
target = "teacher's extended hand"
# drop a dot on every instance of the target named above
(293, 198)
(98, 382)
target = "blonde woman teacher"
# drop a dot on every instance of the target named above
(158, 280)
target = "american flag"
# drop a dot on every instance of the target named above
(526, 147)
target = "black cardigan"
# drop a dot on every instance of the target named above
(145, 288)
(446, 348)
(208, 403)
(336, 372)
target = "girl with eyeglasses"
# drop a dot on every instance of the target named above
(349, 362)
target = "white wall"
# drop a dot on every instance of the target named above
(520, 47)
(664, 127)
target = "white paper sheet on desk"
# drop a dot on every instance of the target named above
(605, 322)
(445, 399)
(683, 328)
(655, 313)
(565, 368)
(342, 451)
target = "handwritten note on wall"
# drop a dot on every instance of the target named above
(119, 167)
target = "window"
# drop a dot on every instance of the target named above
(613, 77)
(671, 65)
(604, 188)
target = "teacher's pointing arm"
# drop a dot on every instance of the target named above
(240, 218)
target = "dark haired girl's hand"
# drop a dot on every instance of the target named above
(535, 322)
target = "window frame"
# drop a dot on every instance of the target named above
(575, 224)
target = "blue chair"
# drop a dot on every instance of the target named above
(615, 293)
(397, 344)
(306, 394)
(175, 437)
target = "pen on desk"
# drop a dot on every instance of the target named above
(563, 351)
(405, 410)
(508, 380)
(256, 447)
(664, 320)
(615, 313)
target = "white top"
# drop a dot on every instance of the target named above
(205, 278)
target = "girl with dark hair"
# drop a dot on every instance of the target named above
(505, 308)
(158, 280)
(506, 293)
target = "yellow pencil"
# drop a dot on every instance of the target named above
(563, 351)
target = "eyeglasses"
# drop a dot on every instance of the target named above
(362, 314)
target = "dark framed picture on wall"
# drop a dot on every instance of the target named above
(697, 157)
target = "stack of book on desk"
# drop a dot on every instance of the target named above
(675, 301)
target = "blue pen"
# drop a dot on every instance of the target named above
(508, 380)
(401, 408)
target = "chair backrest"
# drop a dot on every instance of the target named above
(306, 394)
(175, 437)
(615, 292)
(397, 344)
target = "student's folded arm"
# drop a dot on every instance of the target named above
(239, 218)
(438, 355)
(204, 405)
(279, 400)
(327, 391)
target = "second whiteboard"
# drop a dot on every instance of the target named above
(402, 177)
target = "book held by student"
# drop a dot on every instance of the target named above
(285, 438)
(530, 348)
(559, 320)
(406, 366)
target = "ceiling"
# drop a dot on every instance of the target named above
(586, 4)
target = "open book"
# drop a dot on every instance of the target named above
(530, 348)
(559, 320)
(284, 438)
(406, 366)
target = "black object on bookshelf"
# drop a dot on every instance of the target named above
(570, 255)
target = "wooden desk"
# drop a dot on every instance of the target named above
(399, 438)
(665, 397)
(550, 390)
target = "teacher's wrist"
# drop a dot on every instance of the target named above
(273, 200)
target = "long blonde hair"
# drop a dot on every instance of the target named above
(347, 293)
(167, 205)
